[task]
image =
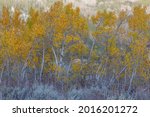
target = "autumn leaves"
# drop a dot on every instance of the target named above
(44, 47)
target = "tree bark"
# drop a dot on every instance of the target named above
(43, 61)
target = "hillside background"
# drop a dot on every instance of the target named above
(88, 7)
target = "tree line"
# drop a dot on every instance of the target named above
(63, 48)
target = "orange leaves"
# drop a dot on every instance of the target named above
(80, 25)
(56, 37)
(96, 18)
(131, 52)
(13, 45)
(139, 26)
(38, 30)
(122, 15)
(105, 23)
(113, 49)
(61, 23)
(105, 18)
(34, 14)
(79, 49)
(7, 19)
(36, 24)
(55, 11)
(69, 29)
(67, 19)
(71, 38)
(5, 16)
(139, 19)
(139, 49)
(16, 21)
(69, 9)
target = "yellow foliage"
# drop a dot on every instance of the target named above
(16, 21)
(56, 37)
(76, 67)
(139, 20)
(5, 16)
(113, 49)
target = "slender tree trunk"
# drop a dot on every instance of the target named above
(1, 75)
(131, 80)
(43, 61)
(97, 72)
(61, 55)
(55, 56)
(35, 72)
(68, 69)
(26, 61)
(93, 44)
(56, 62)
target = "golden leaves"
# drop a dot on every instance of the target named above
(38, 30)
(71, 38)
(105, 24)
(61, 34)
(5, 16)
(16, 21)
(113, 49)
(106, 18)
(78, 49)
(76, 67)
(139, 20)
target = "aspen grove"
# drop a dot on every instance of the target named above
(108, 53)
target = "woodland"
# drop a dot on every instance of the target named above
(61, 54)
